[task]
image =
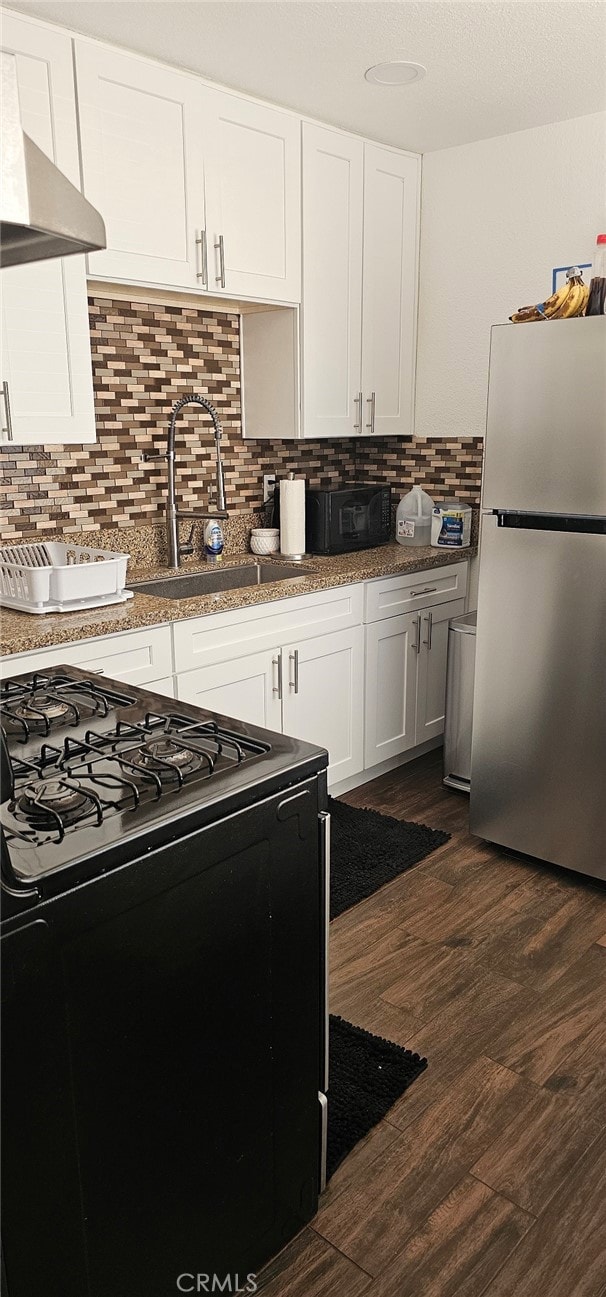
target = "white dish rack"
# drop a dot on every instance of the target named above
(55, 577)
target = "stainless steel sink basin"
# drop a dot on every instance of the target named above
(215, 580)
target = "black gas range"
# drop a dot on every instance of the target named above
(164, 886)
(91, 766)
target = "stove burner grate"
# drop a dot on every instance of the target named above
(56, 803)
(166, 757)
(46, 702)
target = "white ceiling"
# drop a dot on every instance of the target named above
(491, 67)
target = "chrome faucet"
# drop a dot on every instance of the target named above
(176, 549)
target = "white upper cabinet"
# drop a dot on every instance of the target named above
(142, 141)
(199, 189)
(389, 292)
(46, 361)
(253, 194)
(359, 301)
(333, 179)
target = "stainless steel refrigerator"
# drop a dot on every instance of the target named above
(538, 767)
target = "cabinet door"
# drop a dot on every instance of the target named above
(333, 168)
(389, 297)
(392, 654)
(253, 188)
(323, 693)
(139, 657)
(46, 359)
(246, 688)
(142, 136)
(431, 684)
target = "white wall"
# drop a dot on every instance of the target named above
(497, 216)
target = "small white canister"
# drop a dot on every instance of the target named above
(451, 525)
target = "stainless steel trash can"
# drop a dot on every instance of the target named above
(459, 701)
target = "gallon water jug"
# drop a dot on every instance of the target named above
(413, 518)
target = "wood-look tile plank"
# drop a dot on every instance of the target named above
(468, 860)
(529, 1160)
(356, 1164)
(460, 1247)
(563, 1016)
(430, 977)
(358, 930)
(582, 1074)
(541, 931)
(564, 1254)
(310, 1265)
(452, 1040)
(362, 980)
(372, 1219)
(466, 905)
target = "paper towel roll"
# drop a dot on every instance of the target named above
(292, 516)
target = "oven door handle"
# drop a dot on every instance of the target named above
(324, 822)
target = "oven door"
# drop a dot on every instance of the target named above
(357, 519)
(170, 1064)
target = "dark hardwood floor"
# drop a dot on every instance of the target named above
(489, 1176)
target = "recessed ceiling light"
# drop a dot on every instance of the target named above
(398, 72)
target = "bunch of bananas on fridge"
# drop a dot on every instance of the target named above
(569, 300)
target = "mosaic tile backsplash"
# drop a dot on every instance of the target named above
(144, 358)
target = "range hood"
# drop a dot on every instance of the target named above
(42, 214)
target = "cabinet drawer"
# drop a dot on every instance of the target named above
(204, 641)
(141, 656)
(391, 596)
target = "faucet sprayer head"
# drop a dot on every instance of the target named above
(193, 399)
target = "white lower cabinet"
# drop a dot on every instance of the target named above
(406, 680)
(311, 690)
(391, 687)
(141, 657)
(323, 682)
(244, 687)
(431, 675)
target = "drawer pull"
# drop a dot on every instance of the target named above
(429, 589)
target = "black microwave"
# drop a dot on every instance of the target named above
(349, 518)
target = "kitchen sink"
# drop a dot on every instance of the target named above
(218, 579)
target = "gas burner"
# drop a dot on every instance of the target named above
(50, 801)
(165, 758)
(41, 710)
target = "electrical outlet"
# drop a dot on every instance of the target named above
(269, 481)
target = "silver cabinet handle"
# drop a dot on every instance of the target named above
(372, 401)
(202, 273)
(220, 246)
(277, 662)
(358, 401)
(429, 589)
(294, 682)
(7, 423)
(429, 630)
(417, 625)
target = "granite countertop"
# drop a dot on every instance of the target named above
(23, 632)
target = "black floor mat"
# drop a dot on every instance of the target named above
(369, 849)
(367, 1075)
